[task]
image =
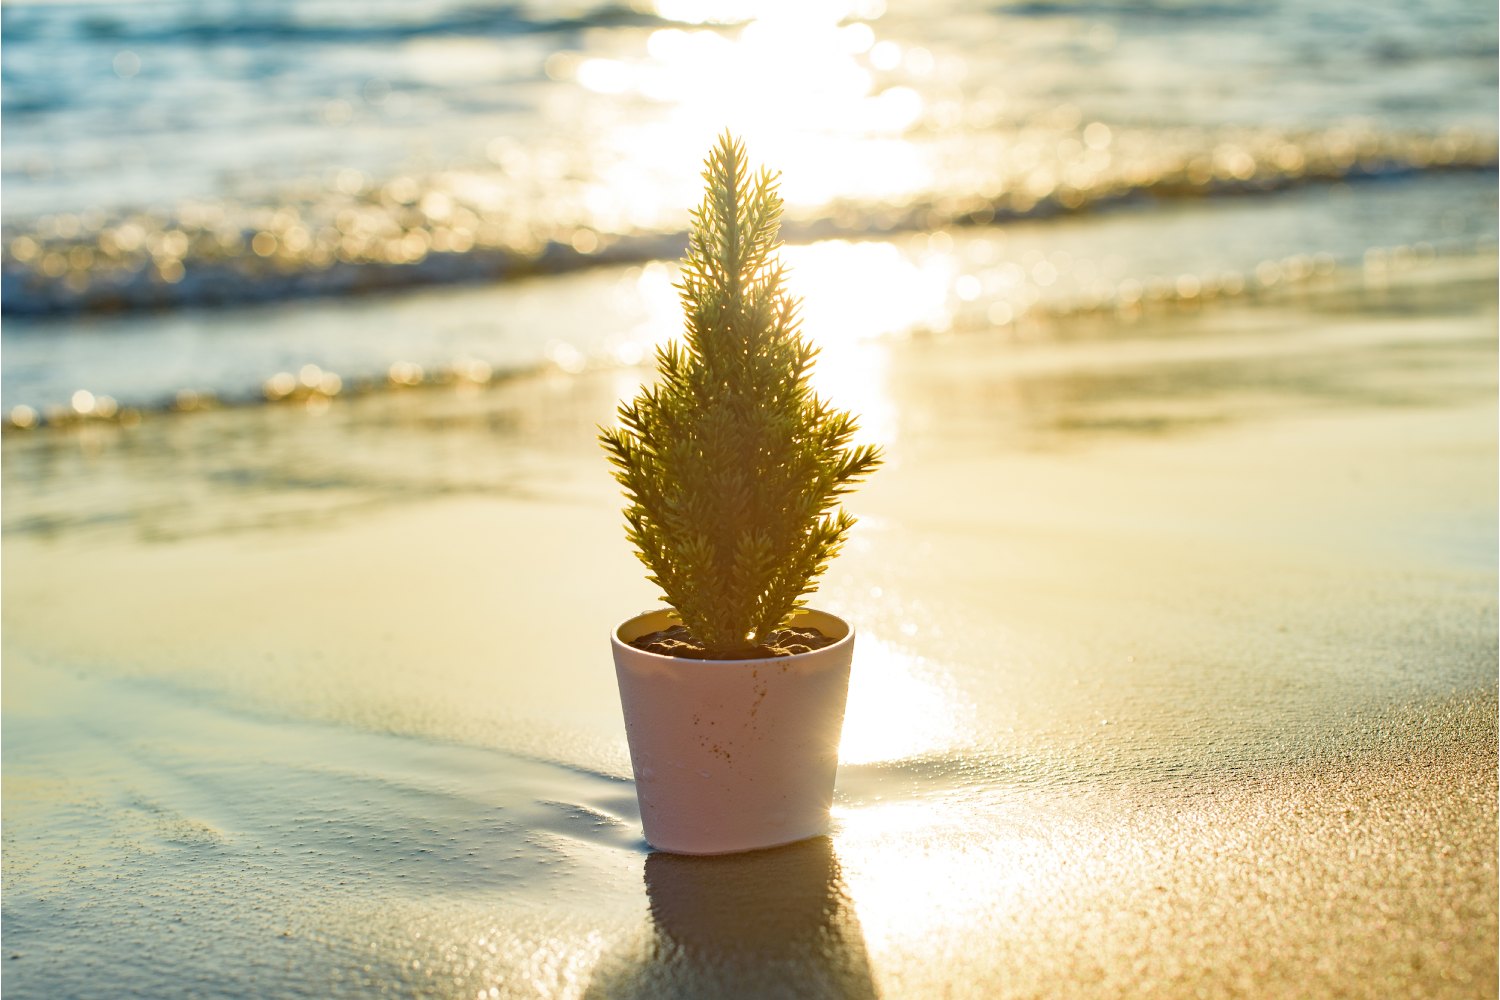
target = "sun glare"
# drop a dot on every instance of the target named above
(795, 81)
(904, 896)
(898, 708)
(854, 296)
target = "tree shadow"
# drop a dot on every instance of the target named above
(774, 923)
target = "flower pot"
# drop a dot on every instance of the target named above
(733, 755)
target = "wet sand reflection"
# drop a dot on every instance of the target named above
(775, 923)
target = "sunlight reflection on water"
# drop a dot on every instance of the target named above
(853, 290)
(697, 78)
(852, 294)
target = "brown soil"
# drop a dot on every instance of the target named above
(677, 641)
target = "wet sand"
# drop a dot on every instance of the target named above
(1176, 676)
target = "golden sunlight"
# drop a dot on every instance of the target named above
(853, 294)
(825, 75)
(898, 708)
(860, 290)
(903, 895)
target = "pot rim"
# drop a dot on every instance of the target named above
(620, 644)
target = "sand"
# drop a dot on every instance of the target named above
(1175, 676)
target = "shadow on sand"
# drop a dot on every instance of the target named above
(775, 923)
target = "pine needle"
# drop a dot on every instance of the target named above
(732, 467)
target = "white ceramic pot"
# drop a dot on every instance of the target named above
(733, 755)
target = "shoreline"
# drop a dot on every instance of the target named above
(1124, 267)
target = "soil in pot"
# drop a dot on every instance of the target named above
(678, 641)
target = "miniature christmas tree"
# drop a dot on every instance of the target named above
(732, 467)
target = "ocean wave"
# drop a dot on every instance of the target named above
(286, 23)
(354, 237)
(1301, 279)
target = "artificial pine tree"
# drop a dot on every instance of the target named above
(732, 467)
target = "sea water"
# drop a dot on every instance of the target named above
(207, 200)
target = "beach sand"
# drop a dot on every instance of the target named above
(1175, 676)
